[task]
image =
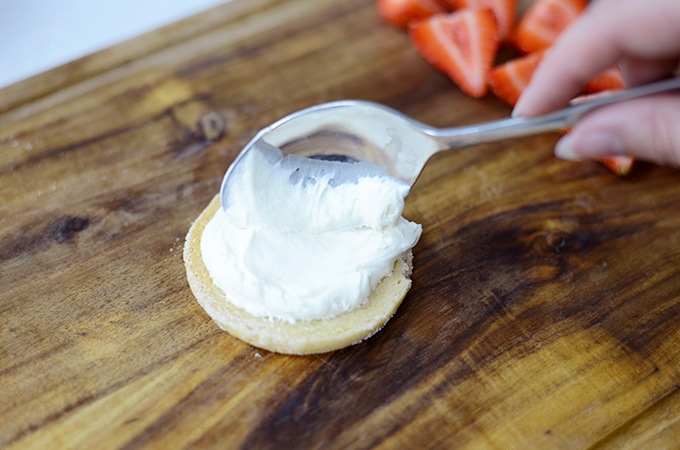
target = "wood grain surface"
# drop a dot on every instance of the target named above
(546, 294)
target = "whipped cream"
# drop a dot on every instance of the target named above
(304, 239)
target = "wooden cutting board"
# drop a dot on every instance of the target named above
(545, 306)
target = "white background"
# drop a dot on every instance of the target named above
(38, 35)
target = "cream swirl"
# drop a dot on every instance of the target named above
(302, 247)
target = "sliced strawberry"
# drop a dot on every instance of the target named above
(609, 80)
(543, 22)
(620, 165)
(462, 44)
(403, 12)
(508, 80)
(503, 10)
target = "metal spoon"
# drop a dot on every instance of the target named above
(351, 131)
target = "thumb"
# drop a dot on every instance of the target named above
(645, 128)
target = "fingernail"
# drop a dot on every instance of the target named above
(564, 149)
(590, 145)
(516, 112)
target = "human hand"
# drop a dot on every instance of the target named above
(643, 38)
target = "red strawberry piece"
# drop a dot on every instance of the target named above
(620, 165)
(403, 12)
(609, 80)
(508, 80)
(503, 10)
(543, 22)
(462, 44)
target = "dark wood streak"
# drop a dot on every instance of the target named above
(65, 229)
(85, 400)
(33, 427)
(508, 242)
(62, 230)
(251, 50)
(189, 137)
(207, 390)
(50, 352)
(58, 152)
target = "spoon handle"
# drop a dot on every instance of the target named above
(452, 138)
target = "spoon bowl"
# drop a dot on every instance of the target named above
(353, 131)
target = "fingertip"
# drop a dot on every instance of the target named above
(566, 148)
(516, 112)
(523, 106)
(577, 146)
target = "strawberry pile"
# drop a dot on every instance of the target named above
(462, 37)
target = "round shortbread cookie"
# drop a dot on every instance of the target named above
(303, 336)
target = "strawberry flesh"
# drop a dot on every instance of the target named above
(620, 165)
(543, 22)
(503, 10)
(508, 80)
(402, 12)
(609, 80)
(463, 45)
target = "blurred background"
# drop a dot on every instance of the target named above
(38, 35)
